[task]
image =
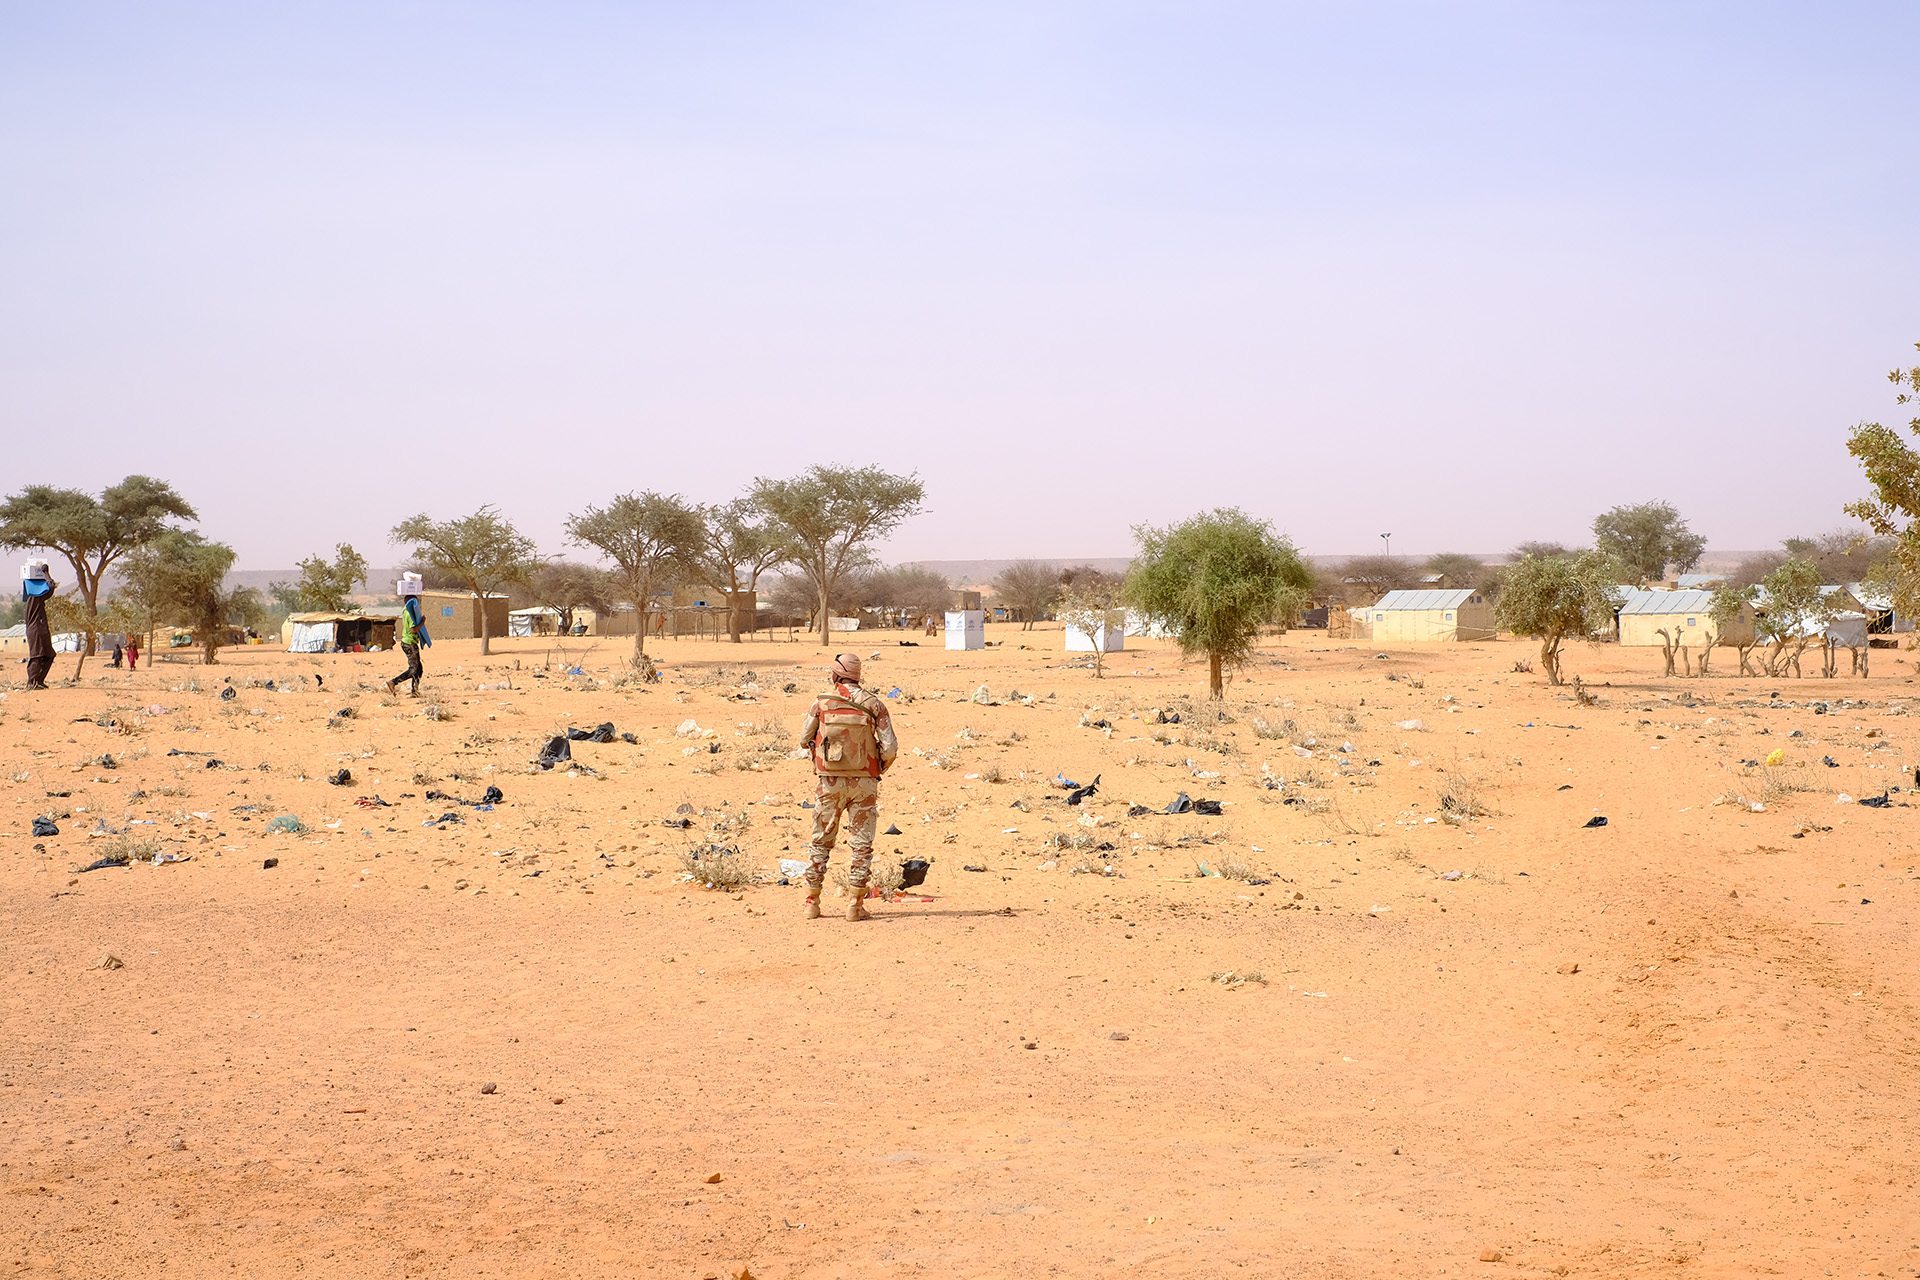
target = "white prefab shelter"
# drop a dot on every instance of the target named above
(1458, 614)
(1110, 639)
(966, 629)
(1682, 614)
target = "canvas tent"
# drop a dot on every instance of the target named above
(336, 632)
(1458, 614)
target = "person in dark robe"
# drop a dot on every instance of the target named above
(36, 588)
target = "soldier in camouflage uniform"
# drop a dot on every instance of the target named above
(850, 736)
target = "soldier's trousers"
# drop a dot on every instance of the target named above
(859, 800)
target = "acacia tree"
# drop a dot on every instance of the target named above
(1464, 570)
(647, 536)
(483, 552)
(565, 587)
(323, 587)
(92, 533)
(1214, 580)
(1647, 538)
(1029, 586)
(1893, 470)
(1374, 576)
(829, 518)
(1558, 598)
(912, 588)
(1090, 608)
(738, 543)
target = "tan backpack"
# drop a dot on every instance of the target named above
(846, 745)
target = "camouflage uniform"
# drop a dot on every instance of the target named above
(849, 787)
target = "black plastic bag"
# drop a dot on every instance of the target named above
(45, 827)
(554, 752)
(1211, 808)
(1081, 793)
(1181, 804)
(1595, 821)
(913, 873)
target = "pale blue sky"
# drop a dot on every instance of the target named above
(1467, 272)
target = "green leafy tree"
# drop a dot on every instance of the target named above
(1648, 537)
(92, 533)
(1214, 580)
(1029, 587)
(483, 552)
(1089, 607)
(181, 579)
(1794, 614)
(829, 518)
(1556, 599)
(323, 586)
(1542, 550)
(649, 537)
(738, 543)
(1725, 610)
(1893, 470)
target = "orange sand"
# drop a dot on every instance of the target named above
(1725, 1087)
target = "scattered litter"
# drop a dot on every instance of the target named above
(270, 864)
(1412, 725)
(1595, 821)
(1843, 798)
(1065, 783)
(1736, 799)
(1180, 804)
(555, 751)
(1208, 808)
(445, 819)
(228, 694)
(794, 867)
(1830, 762)
(1119, 1035)
(111, 860)
(913, 873)
(1451, 875)
(288, 823)
(893, 829)
(45, 827)
(1875, 802)
(1777, 756)
(340, 779)
(602, 734)
(110, 961)
(1081, 793)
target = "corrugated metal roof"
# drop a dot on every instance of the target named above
(17, 631)
(1694, 581)
(1425, 599)
(1663, 602)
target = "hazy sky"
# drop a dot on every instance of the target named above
(1466, 272)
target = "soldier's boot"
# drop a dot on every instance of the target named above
(813, 907)
(857, 908)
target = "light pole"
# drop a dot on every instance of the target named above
(1388, 539)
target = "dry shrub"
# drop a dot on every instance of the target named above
(884, 875)
(1461, 795)
(1232, 866)
(1233, 978)
(993, 773)
(1270, 732)
(719, 866)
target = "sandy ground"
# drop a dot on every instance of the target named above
(1033, 1070)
